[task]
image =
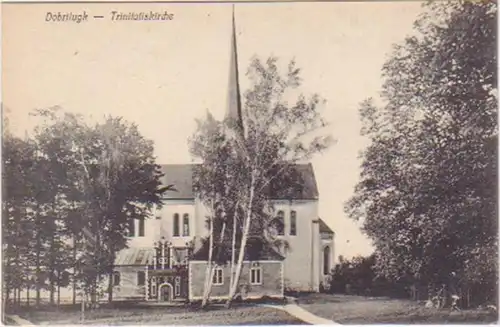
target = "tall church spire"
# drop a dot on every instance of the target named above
(233, 112)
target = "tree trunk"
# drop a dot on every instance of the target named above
(53, 253)
(110, 286)
(38, 272)
(93, 296)
(28, 296)
(52, 287)
(97, 233)
(5, 303)
(233, 245)
(7, 295)
(7, 276)
(234, 286)
(208, 272)
(209, 282)
(74, 268)
(58, 288)
(110, 279)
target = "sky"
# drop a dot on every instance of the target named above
(163, 75)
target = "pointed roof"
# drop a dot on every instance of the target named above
(324, 228)
(233, 110)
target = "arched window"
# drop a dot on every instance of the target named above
(116, 278)
(176, 224)
(185, 225)
(131, 227)
(141, 227)
(293, 222)
(280, 223)
(326, 260)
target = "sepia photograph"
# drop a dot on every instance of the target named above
(249, 163)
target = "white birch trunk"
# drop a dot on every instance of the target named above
(208, 273)
(233, 247)
(241, 255)
(208, 290)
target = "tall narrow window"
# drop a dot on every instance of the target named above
(141, 227)
(176, 224)
(326, 260)
(293, 223)
(280, 223)
(185, 225)
(255, 276)
(177, 286)
(153, 286)
(131, 227)
(116, 278)
(141, 278)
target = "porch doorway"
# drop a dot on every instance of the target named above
(165, 292)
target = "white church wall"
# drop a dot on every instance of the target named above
(316, 262)
(156, 228)
(305, 247)
(202, 212)
(300, 265)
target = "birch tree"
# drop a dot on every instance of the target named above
(280, 127)
(213, 183)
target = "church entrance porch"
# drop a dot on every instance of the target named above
(167, 273)
(167, 285)
(166, 292)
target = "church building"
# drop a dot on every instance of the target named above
(164, 261)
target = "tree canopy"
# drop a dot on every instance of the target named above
(428, 188)
(69, 177)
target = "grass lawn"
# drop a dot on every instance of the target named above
(217, 315)
(346, 309)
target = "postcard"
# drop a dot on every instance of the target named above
(218, 163)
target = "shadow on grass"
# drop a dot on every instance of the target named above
(427, 317)
(129, 311)
(324, 298)
(354, 309)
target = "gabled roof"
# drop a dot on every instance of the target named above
(300, 182)
(181, 176)
(323, 227)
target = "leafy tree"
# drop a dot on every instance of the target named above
(18, 223)
(72, 177)
(427, 194)
(358, 276)
(216, 184)
(111, 179)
